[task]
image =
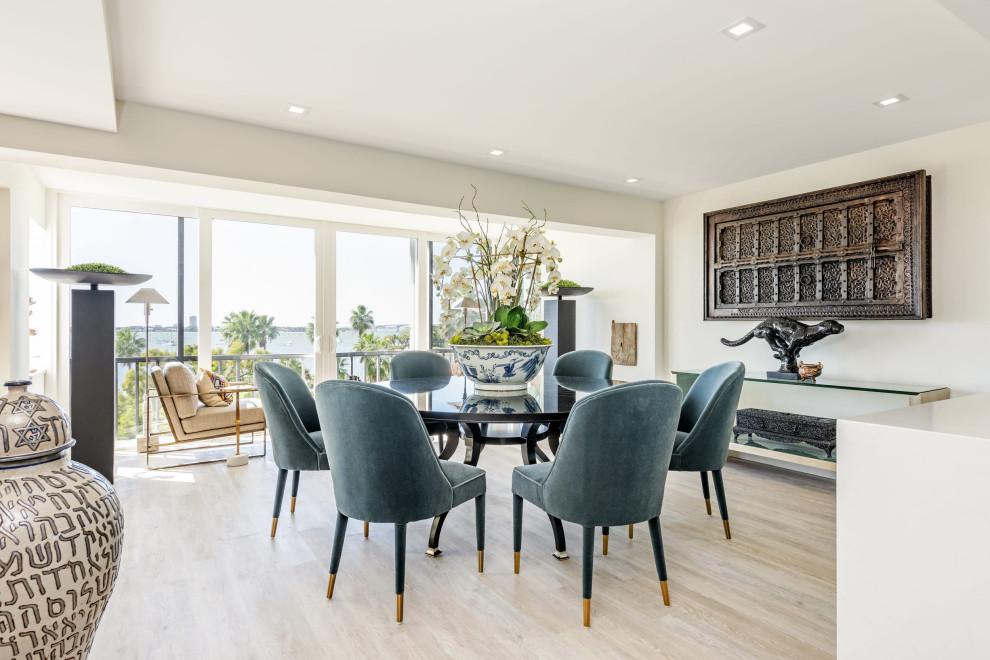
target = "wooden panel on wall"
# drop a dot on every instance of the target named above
(861, 251)
(624, 344)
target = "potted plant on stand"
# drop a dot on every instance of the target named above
(505, 350)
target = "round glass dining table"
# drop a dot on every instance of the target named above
(453, 408)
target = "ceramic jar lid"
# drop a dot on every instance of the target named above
(31, 425)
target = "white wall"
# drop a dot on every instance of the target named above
(621, 269)
(948, 349)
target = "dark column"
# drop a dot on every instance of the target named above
(92, 379)
(561, 317)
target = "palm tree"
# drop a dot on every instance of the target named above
(241, 327)
(266, 331)
(128, 343)
(362, 320)
(375, 368)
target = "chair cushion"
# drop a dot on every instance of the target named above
(208, 392)
(181, 381)
(675, 457)
(527, 482)
(467, 481)
(208, 418)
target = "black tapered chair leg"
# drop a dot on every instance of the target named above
(658, 558)
(517, 513)
(588, 564)
(338, 547)
(400, 568)
(295, 491)
(604, 540)
(279, 492)
(479, 530)
(704, 489)
(720, 496)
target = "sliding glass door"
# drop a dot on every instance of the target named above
(263, 306)
(244, 287)
(165, 247)
(375, 302)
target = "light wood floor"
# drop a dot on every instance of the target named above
(202, 579)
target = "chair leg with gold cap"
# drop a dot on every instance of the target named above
(279, 492)
(295, 491)
(400, 568)
(630, 531)
(704, 489)
(605, 540)
(338, 546)
(658, 558)
(479, 530)
(720, 496)
(517, 512)
(365, 529)
(588, 564)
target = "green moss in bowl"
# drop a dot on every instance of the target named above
(563, 284)
(96, 267)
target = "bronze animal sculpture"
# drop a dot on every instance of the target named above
(786, 338)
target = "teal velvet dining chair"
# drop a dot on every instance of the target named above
(297, 442)
(610, 470)
(418, 364)
(705, 430)
(385, 471)
(584, 364)
(427, 364)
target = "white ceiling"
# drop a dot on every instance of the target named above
(578, 91)
(55, 62)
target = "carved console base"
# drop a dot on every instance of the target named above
(787, 427)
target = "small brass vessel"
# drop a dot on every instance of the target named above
(812, 371)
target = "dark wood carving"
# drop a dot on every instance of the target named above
(786, 427)
(861, 251)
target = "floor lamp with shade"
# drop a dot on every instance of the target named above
(147, 297)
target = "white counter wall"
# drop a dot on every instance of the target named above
(913, 532)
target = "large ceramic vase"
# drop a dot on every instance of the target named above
(60, 534)
(500, 368)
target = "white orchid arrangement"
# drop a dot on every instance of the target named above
(501, 274)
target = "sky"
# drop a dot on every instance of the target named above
(270, 269)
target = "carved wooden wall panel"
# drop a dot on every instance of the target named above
(861, 251)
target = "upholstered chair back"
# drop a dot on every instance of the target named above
(291, 415)
(383, 467)
(614, 454)
(291, 386)
(419, 364)
(707, 416)
(584, 364)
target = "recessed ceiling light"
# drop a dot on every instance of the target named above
(632, 180)
(890, 101)
(496, 152)
(296, 109)
(742, 28)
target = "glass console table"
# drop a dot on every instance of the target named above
(801, 455)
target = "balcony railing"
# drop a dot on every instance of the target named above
(349, 357)
(345, 361)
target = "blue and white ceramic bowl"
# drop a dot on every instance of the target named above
(500, 368)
